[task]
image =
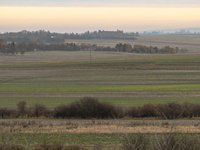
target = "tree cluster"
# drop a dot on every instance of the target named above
(7, 48)
(22, 47)
(148, 50)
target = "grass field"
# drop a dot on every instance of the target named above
(123, 79)
(81, 139)
(87, 140)
(191, 42)
(99, 59)
(100, 89)
(110, 76)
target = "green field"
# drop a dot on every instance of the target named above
(109, 140)
(80, 139)
(124, 79)
(191, 42)
(99, 59)
(100, 89)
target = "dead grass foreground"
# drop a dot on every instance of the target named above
(99, 129)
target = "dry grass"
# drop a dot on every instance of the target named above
(98, 129)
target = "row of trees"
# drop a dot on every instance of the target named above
(148, 50)
(8, 48)
(90, 107)
(22, 47)
(40, 36)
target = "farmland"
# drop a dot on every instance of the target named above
(123, 79)
(191, 42)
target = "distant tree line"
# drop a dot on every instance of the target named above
(43, 36)
(149, 50)
(40, 36)
(22, 47)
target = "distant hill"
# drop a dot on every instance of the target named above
(43, 36)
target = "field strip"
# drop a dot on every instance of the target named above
(100, 89)
(102, 95)
(100, 129)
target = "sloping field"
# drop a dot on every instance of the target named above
(110, 76)
(191, 42)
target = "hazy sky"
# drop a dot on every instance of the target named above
(82, 15)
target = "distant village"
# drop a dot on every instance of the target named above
(172, 31)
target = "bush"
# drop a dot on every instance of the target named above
(132, 112)
(39, 109)
(167, 141)
(148, 110)
(65, 111)
(87, 107)
(196, 110)
(136, 142)
(21, 107)
(188, 110)
(171, 110)
(90, 107)
(5, 113)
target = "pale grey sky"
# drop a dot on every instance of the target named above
(83, 15)
(100, 3)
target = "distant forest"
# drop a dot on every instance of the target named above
(22, 47)
(42, 36)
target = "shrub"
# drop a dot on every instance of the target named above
(196, 110)
(188, 110)
(90, 107)
(107, 110)
(136, 141)
(38, 109)
(166, 142)
(21, 107)
(6, 113)
(87, 107)
(65, 111)
(120, 113)
(133, 112)
(148, 110)
(171, 110)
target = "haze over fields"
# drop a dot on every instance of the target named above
(82, 15)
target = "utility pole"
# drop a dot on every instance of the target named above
(90, 56)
